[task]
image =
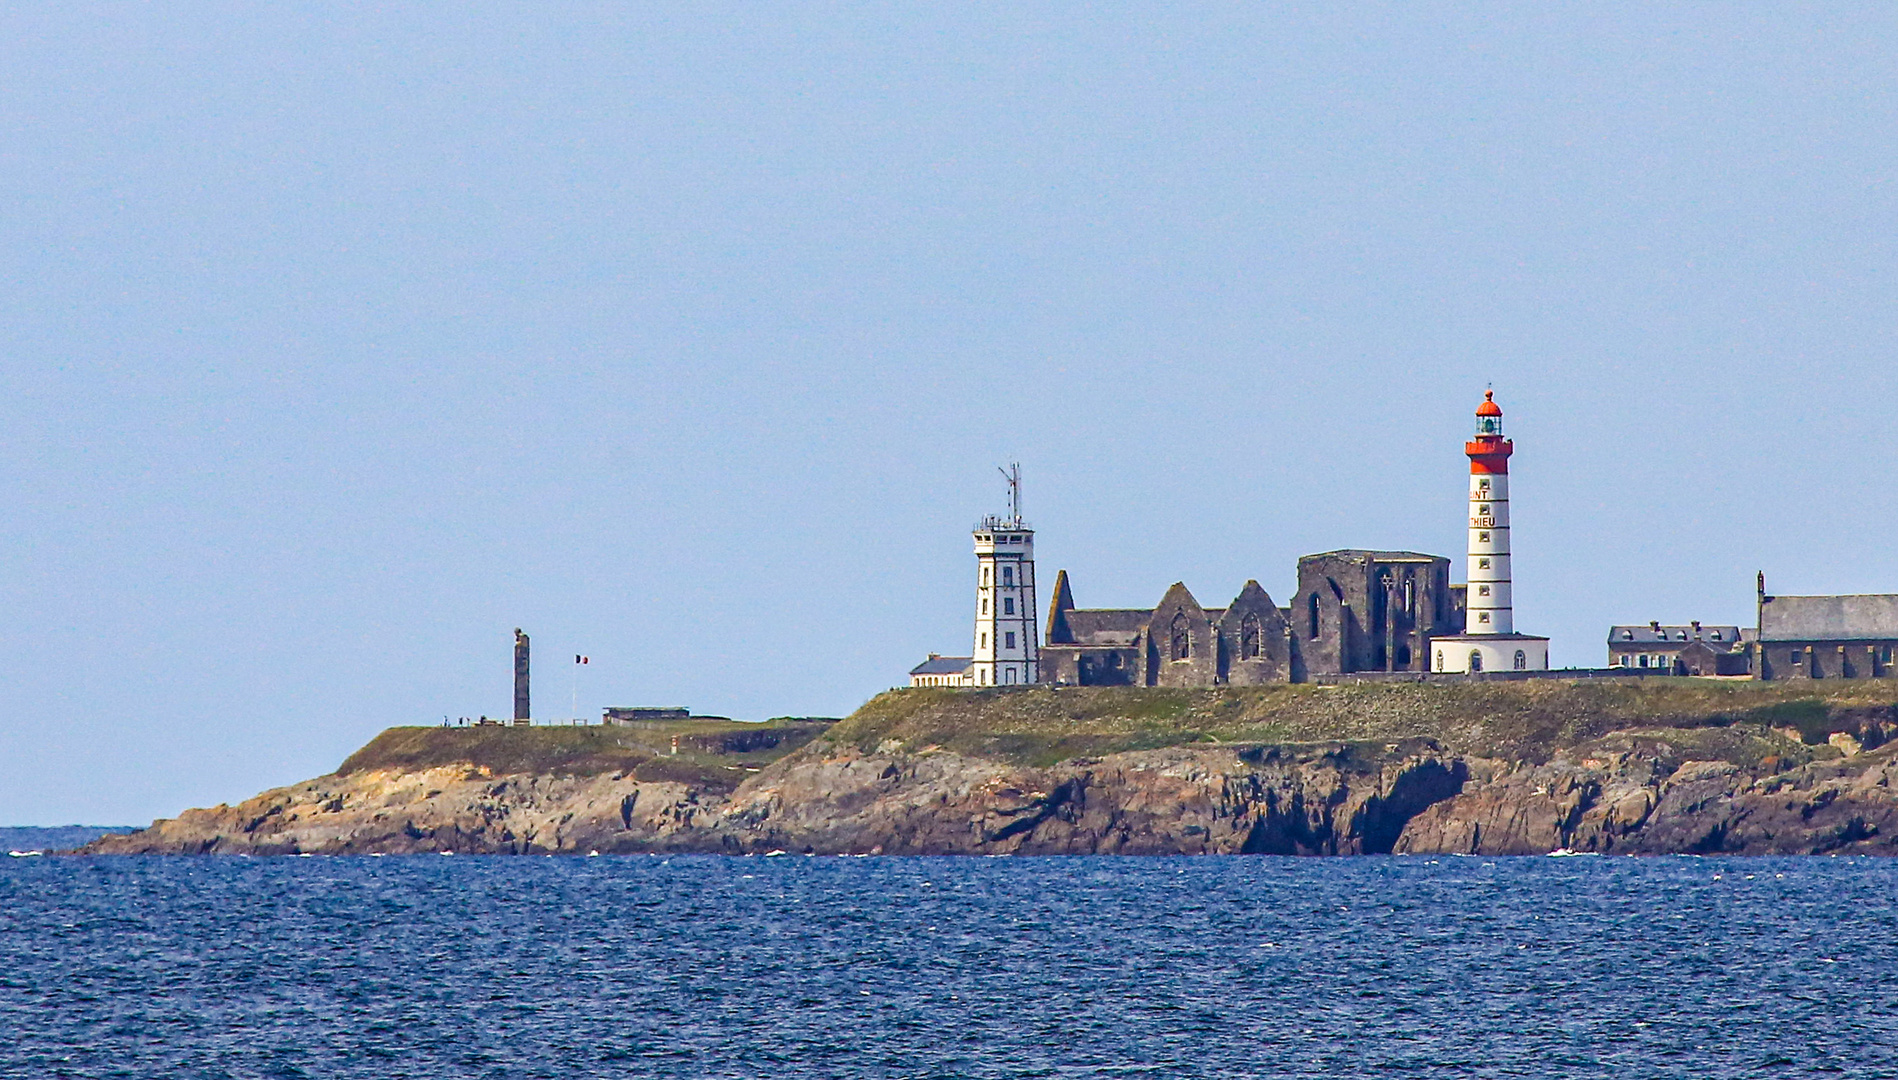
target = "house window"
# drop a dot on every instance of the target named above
(1644, 659)
(985, 575)
(1439, 659)
(1009, 676)
(1627, 635)
(1009, 641)
(1716, 635)
(1008, 605)
(1181, 645)
(1482, 616)
(1522, 660)
(1476, 660)
(1008, 575)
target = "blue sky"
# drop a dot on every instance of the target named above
(339, 341)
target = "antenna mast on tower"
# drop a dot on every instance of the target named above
(1012, 474)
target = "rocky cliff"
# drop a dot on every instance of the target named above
(1662, 766)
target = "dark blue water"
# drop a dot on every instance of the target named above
(792, 967)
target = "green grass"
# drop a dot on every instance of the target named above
(1520, 720)
(711, 753)
(1515, 720)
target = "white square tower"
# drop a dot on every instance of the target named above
(1007, 650)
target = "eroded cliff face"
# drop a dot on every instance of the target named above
(451, 808)
(1325, 799)
(1643, 794)
(1741, 791)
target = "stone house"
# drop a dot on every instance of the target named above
(1826, 637)
(1692, 649)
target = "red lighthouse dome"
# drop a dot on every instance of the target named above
(1489, 451)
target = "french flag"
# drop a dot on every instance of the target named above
(578, 659)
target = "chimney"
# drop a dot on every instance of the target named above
(1655, 624)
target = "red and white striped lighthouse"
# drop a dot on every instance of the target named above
(1489, 641)
(1488, 572)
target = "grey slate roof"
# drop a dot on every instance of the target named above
(943, 665)
(1829, 618)
(1728, 640)
(1107, 626)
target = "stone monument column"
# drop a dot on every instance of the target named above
(521, 710)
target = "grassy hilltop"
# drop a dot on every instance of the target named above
(1526, 720)
(715, 754)
(1529, 720)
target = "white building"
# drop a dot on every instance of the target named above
(942, 671)
(1007, 635)
(1489, 641)
(1007, 652)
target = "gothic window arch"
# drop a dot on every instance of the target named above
(1410, 593)
(1522, 660)
(1180, 647)
(1251, 638)
(1381, 600)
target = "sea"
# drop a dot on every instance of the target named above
(824, 967)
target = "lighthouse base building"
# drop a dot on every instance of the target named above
(1472, 654)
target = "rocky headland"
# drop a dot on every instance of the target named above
(1652, 766)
